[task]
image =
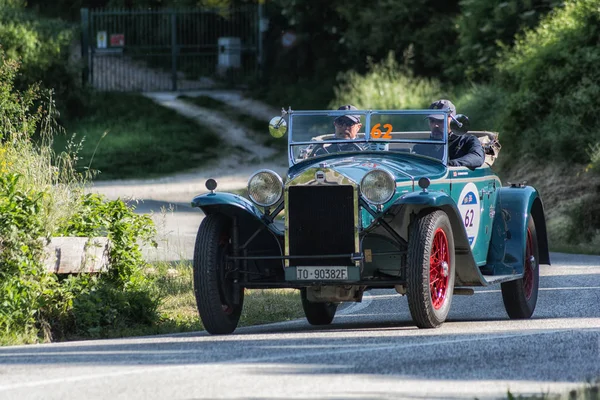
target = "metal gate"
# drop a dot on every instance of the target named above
(161, 50)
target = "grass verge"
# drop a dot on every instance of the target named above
(591, 391)
(126, 135)
(180, 314)
(257, 129)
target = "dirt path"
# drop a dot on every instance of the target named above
(232, 170)
(167, 199)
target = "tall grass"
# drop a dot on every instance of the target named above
(178, 307)
(386, 86)
(41, 168)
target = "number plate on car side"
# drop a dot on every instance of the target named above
(322, 273)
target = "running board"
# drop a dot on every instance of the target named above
(495, 279)
(463, 291)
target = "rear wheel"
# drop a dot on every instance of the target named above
(317, 313)
(430, 273)
(218, 303)
(520, 296)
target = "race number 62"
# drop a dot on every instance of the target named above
(378, 134)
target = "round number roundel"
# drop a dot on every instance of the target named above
(470, 211)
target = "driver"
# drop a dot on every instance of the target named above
(463, 150)
(346, 128)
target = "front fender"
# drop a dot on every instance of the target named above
(514, 206)
(232, 205)
(467, 271)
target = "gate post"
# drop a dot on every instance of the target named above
(174, 50)
(260, 33)
(85, 42)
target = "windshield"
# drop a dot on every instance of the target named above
(319, 133)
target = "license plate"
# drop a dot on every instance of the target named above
(322, 273)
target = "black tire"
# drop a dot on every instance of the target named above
(317, 313)
(429, 301)
(520, 296)
(213, 286)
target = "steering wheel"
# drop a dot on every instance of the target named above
(351, 147)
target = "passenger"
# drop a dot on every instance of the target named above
(463, 150)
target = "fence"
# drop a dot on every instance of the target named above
(154, 50)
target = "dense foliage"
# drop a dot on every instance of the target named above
(421, 33)
(486, 28)
(554, 81)
(43, 48)
(340, 35)
(41, 197)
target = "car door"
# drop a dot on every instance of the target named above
(474, 192)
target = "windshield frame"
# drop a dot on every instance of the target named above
(367, 135)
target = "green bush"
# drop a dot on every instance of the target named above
(41, 196)
(483, 104)
(386, 85)
(554, 81)
(14, 104)
(42, 47)
(486, 27)
(23, 284)
(421, 33)
(581, 228)
(122, 297)
(97, 217)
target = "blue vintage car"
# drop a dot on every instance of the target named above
(381, 210)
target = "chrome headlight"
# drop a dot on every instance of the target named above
(378, 186)
(265, 188)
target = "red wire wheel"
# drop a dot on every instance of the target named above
(430, 272)
(520, 295)
(438, 269)
(529, 266)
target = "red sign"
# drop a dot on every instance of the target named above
(117, 39)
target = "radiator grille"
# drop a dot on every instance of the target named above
(321, 222)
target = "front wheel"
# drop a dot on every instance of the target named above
(317, 313)
(430, 273)
(520, 296)
(218, 303)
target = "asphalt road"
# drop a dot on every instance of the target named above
(371, 351)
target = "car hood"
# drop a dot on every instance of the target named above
(405, 168)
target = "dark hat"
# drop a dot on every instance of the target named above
(353, 118)
(441, 105)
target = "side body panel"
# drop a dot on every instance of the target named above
(514, 206)
(475, 193)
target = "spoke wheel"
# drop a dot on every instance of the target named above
(431, 271)
(317, 313)
(438, 269)
(520, 296)
(213, 282)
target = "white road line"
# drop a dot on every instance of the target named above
(546, 289)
